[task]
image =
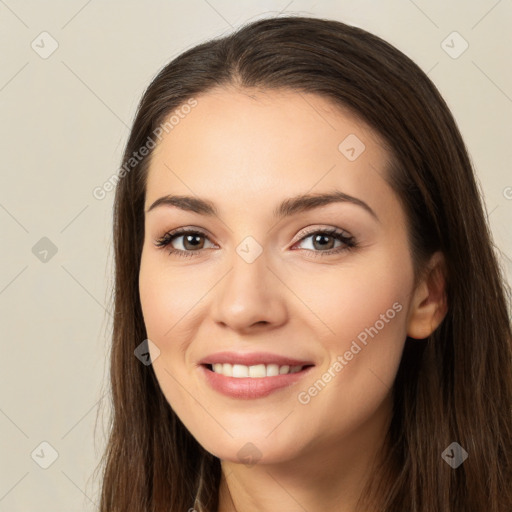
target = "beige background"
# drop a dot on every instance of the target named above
(64, 122)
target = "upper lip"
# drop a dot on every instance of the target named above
(253, 358)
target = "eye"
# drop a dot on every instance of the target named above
(321, 243)
(325, 239)
(191, 241)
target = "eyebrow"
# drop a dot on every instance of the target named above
(286, 208)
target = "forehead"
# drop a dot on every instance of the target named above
(239, 145)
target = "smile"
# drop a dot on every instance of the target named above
(257, 371)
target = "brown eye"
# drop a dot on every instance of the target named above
(187, 242)
(191, 242)
(323, 241)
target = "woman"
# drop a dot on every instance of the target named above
(309, 314)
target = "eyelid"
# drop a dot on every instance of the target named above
(323, 229)
(176, 233)
(299, 237)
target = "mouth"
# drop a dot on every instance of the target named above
(257, 371)
(251, 381)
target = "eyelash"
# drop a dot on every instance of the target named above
(349, 241)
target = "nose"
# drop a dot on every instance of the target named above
(250, 296)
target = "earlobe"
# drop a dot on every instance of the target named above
(429, 303)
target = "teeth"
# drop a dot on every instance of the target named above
(272, 370)
(256, 371)
(239, 370)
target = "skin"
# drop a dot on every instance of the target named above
(246, 151)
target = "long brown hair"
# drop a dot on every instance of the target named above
(455, 386)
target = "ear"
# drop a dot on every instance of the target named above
(429, 304)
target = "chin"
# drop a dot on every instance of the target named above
(253, 450)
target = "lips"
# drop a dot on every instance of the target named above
(251, 375)
(252, 359)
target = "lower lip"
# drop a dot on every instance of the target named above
(247, 387)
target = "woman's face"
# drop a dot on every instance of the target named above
(271, 282)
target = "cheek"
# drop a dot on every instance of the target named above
(362, 331)
(171, 302)
(165, 300)
(168, 297)
(344, 301)
(357, 377)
